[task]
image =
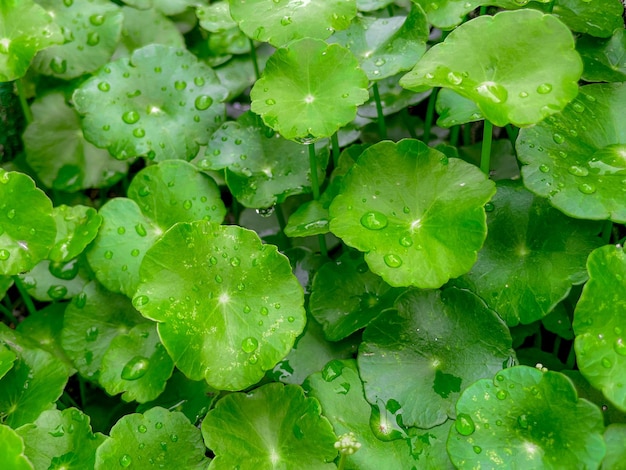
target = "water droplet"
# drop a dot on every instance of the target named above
(544, 168)
(544, 88)
(218, 279)
(578, 107)
(235, 262)
(135, 368)
(142, 429)
(522, 421)
(180, 85)
(374, 220)
(393, 261)
(246, 309)
(270, 102)
(558, 138)
(578, 170)
(57, 292)
(286, 20)
(187, 204)
(477, 449)
(93, 38)
(489, 207)
(140, 300)
(80, 300)
(586, 188)
(134, 252)
(96, 20)
(606, 363)
(249, 344)
(130, 117)
(59, 431)
(141, 230)
(58, 65)
(104, 86)
(380, 62)
(108, 254)
(492, 91)
(139, 132)
(454, 78)
(125, 460)
(620, 347)
(158, 425)
(291, 319)
(332, 370)
(523, 94)
(501, 394)
(203, 102)
(264, 311)
(464, 424)
(11, 214)
(406, 241)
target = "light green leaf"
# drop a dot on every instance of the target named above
(158, 437)
(600, 324)
(597, 18)
(25, 29)
(136, 364)
(228, 307)
(91, 31)
(61, 439)
(12, 450)
(161, 103)
(273, 426)
(281, 21)
(27, 228)
(432, 355)
(167, 7)
(526, 418)
(7, 358)
(604, 59)
(77, 226)
(532, 256)
(580, 167)
(421, 237)
(309, 90)
(454, 109)
(51, 282)
(527, 70)
(615, 438)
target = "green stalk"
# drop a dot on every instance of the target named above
(342, 461)
(316, 192)
(570, 363)
(8, 314)
(607, 231)
(334, 140)
(282, 223)
(28, 302)
(430, 115)
(406, 120)
(390, 10)
(255, 62)
(82, 390)
(21, 93)
(512, 133)
(382, 127)
(467, 134)
(454, 135)
(557, 345)
(485, 154)
(482, 11)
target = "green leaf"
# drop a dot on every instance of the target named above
(61, 439)
(12, 450)
(311, 218)
(274, 426)
(216, 17)
(161, 103)
(527, 70)
(615, 438)
(309, 90)
(558, 321)
(262, 167)
(77, 226)
(432, 354)
(598, 18)
(340, 392)
(92, 320)
(386, 46)
(603, 59)
(167, 7)
(600, 324)
(49, 281)
(372, 5)
(25, 29)
(145, 365)
(35, 382)
(91, 31)
(526, 418)
(158, 437)
(59, 154)
(429, 446)
(393, 99)
(279, 22)
(228, 307)
(143, 27)
(346, 296)
(7, 358)
(421, 237)
(454, 109)
(27, 228)
(532, 256)
(580, 168)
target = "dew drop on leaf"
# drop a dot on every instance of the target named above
(80, 300)
(620, 347)
(57, 292)
(59, 431)
(203, 102)
(96, 20)
(374, 220)
(125, 460)
(92, 334)
(522, 421)
(544, 88)
(454, 78)
(139, 132)
(140, 300)
(142, 429)
(135, 368)
(558, 138)
(158, 425)
(544, 168)
(104, 86)
(130, 117)
(577, 170)
(93, 38)
(586, 188)
(187, 204)
(606, 363)
(58, 65)
(464, 424)
(11, 214)
(141, 230)
(393, 261)
(477, 450)
(501, 394)
(180, 85)
(406, 241)
(249, 344)
(264, 311)
(108, 254)
(332, 370)
(174, 437)
(270, 102)
(134, 252)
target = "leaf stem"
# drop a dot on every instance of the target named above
(8, 314)
(406, 120)
(382, 127)
(556, 346)
(467, 134)
(512, 133)
(316, 192)
(282, 223)
(336, 149)
(570, 363)
(482, 11)
(454, 135)
(21, 93)
(28, 302)
(607, 231)
(430, 114)
(485, 153)
(255, 62)
(342, 461)
(82, 390)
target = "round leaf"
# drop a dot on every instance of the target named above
(527, 70)
(274, 426)
(156, 438)
(532, 256)
(526, 418)
(577, 159)
(61, 439)
(603, 59)
(309, 90)
(161, 103)
(454, 109)
(91, 30)
(143, 27)
(421, 237)
(281, 21)
(600, 324)
(49, 281)
(615, 438)
(77, 226)
(598, 18)
(7, 358)
(12, 450)
(25, 28)
(167, 7)
(27, 228)
(145, 365)
(441, 343)
(228, 307)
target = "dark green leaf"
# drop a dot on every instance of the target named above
(597, 18)
(604, 59)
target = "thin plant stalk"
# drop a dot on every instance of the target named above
(406, 120)
(607, 231)
(382, 126)
(467, 134)
(282, 223)
(485, 154)
(21, 93)
(430, 115)
(255, 62)
(342, 461)
(316, 192)
(8, 314)
(512, 133)
(482, 11)
(454, 135)
(28, 302)
(334, 141)
(570, 362)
